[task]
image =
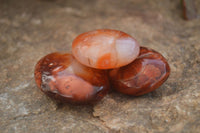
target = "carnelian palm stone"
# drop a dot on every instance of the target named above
(105, 48)
(149, 71)
(62, 77)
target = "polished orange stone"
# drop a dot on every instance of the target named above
(145, 74)
(62, 77)
(105, 48)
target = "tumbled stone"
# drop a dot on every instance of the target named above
(105, 48)
(62, 77)
(145, 74)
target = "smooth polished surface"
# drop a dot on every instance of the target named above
(62, 77)
(149, 71)
(105, 48)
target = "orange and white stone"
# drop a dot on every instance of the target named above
(105, 49)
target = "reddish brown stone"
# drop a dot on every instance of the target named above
(149, 71)
(62, 77)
